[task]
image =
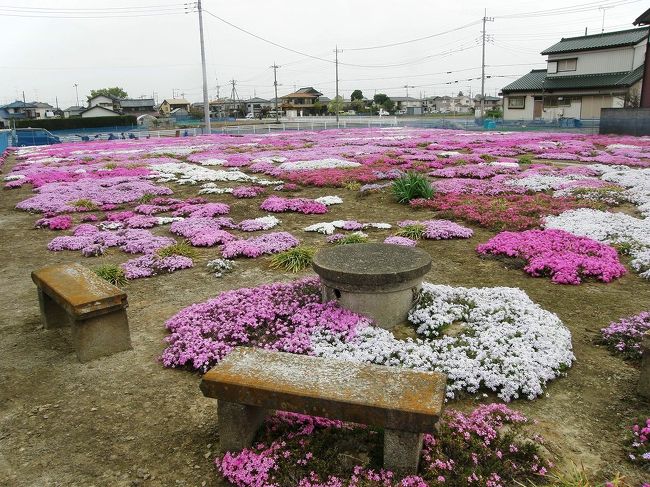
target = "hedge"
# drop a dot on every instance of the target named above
(78, 122)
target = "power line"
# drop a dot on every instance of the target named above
(569, 10)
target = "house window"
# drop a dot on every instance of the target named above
(557, 101)
(567, 65)
(516, 102)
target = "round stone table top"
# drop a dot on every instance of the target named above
(371, 265)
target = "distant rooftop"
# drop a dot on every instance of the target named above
(620, 38)
(643, 19)
(137, 102)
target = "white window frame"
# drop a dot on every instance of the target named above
(563, 65)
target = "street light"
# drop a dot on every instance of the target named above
(77, 92)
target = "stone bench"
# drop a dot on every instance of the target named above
(73, 295)
(381, 281)
(250, 381)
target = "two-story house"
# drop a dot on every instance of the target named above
(305, 101)
(407, 105)
(583, 75)
(170, 104)
(104, 101)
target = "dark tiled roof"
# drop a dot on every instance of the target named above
(537, 80)
(643, 19)
(136, 102)
(18, 104)
(628, 37)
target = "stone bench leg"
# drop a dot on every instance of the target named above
(238, 424)
(402, 451)
(102, 335)
(52, 315)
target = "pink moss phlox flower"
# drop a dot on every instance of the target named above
(152, 264)
(55, 222)
(624, 337)
(277, 204)
(567, 258)
(270, 243)
(406, 242)
(204, 232)
(247, 191)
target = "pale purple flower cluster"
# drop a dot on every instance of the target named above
(247, 191)
(624, 337)
(279, 316)
(92, 241)
(479, 171)
(141, 221)
(394, 240)
(276, 204)
(203, 210)
(270, 243)
(152, 264)
(567, 258)
(204, 232)
(440, 229)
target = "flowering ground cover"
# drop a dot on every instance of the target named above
(125, 202)
(624, 337)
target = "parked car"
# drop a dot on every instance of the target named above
(400, 112)
(36, 136)
(250, 116)
(383, 112)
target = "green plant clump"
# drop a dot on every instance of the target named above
(353, 238)
(146, 198)
(414, 232)
(179, 248)
(112, 273)
(412, 186)
(295, 259)
(84, 203)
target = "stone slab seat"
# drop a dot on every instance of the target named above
(73, 295)
(250, 381)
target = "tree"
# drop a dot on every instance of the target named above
(358, 105)
(356, 95)
(336, 105)
(380, 99)
(632, 99)
(114, 92)
(460, 93)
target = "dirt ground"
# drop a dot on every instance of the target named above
(125, 420)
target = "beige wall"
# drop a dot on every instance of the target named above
(592, 62)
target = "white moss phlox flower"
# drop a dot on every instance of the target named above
(330, 200)
(328, 163)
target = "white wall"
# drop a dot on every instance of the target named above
(603, 61)
(517, 113)
(97, 112)
(639, 54)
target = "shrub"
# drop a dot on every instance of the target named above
(111, 273)
(179, 248)
(294, 260)
(411, 186)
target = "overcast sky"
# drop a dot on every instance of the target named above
(152, 46)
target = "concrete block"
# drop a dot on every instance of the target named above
(238, 424)
(402, 451)
(101, 335)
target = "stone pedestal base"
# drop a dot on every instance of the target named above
(238, 424)
(102, 335)
(52, 315)
(643, 388)
(387, 306)
(402, 452)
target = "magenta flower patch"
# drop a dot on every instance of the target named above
(270, 243)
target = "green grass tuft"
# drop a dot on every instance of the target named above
(353, 238)
(414, 232)
(85, 203)
(411, 186)
(112, 273)
(179, 248)
(294, 260)
(146, 198)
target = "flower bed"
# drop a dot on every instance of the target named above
(567, 258)
(270, 243)
(436, 229)
(639, 450)
(624, 337)
(277, 204)
(508, 344)
(152, 264)
(511, 212)
(489, 446)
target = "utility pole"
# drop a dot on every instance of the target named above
(275, 86)
(336, 61)
(407, 89)
(76, 89)
(234, 96)
(602, 29)
(485, 19)
(206, 100)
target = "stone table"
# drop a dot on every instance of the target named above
(381, 281)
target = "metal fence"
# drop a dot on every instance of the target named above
(124, 133)
(5, 140)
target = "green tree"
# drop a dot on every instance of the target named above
(358, 105)
(336, 105)
(380, 99)
(356, 95)
(114, 92)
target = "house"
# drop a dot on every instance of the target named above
(305, 101)
(104, 101)
(490, 103)
(644, 19)
(73, 111)
(42, 110)
(170, 104)
(256, 105)
(137, 106)
(583, 75)
(407, 105)
(20, 108)
(98, 111)
(448, 104)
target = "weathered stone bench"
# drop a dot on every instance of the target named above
(73, 295)
(381, 281)
(251, 381)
